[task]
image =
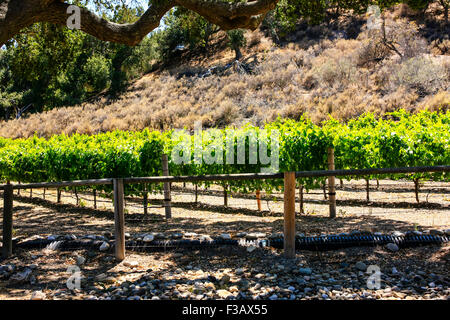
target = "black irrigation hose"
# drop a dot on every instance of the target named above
(162, 245)
(321, 243)
(337, 242)
(63, 245)
(133, 245)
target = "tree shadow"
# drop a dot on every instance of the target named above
(261, 261)
(70, 219)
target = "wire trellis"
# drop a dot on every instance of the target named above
(385, 195)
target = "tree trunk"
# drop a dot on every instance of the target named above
(386, 42)
(238, 52)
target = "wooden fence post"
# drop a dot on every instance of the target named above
(7, 220)
(145, 200)
(258, 199)
(367, 190)
(196, 194)
(95, 198)
(167, 197)
(289, 214)
(119, 220)
(76, 196)
(225, 196)
(300, 190)
(416, 189)
(331, 184)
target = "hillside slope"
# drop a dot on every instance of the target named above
(341, 69)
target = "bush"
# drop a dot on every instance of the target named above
(402, 35)
(335, 73)
(372, 52)
(97, 72)
(226, 114)
(406, 35)
(236, 41)
(168, 40)
(420, 74)
(438, 102)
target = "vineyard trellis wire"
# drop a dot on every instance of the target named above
(118, 184)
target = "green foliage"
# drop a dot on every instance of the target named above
(197, 31)
(288, 12)
(183, 28)
(403, 139)
(97, 72)
(51, 66)
(418, 4)
(169, 38)
(236, 41)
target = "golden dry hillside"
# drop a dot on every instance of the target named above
(343, 70)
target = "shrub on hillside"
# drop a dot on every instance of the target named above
(420, 74)
(372, 52)
(225, 114)
(236, 41)
(405, 35)
(438, 102)
(401, 37)
(97, 72)
(335, 73)
(293, 111)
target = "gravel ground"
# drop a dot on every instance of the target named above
(233, 272)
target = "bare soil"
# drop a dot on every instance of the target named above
(392, 207)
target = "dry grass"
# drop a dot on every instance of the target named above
(334, 75)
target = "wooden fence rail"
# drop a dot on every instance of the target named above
(231, 177)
